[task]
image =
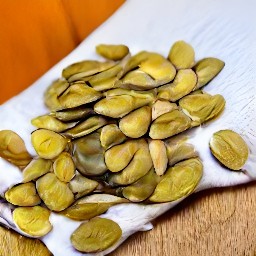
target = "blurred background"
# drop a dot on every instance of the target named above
(36, 34)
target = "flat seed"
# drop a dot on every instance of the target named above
(23, 195)
(89, 155)
(91, 206)
(178, 181)
(140, 164)
(81, 186)
(158, 154)
(13, 149)
(64, 167)
(96, 235)
(230, 149)
(182, 55)
(72, 114)
(161, 107)
(112, 52)
(78, 94)
(56, 194)
(86, 127)
(111, 135)
(169, 124)
(51, 123)
(142, 188)
(206, 69)
(51, 95)
(178, 150)
(34, 221)
(36, 168)
(136, 123)
(82, 69)
(184, 82)
(202, 107)
(48, 144)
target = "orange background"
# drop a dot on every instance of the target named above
(36, 34)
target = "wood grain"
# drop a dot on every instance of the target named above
(215, 222)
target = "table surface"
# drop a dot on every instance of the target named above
(210, 222)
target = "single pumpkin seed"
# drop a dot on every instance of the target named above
(178, 181)
(36, 168)
(111, 135)
(161, 107)
(96, 235)
(230, 149)
(206, 69)
(56, 194)
(158, 154)
(184, 82)
(112, 52)
(89, 155)
(23, 195)
(64, 167)
(34, 221)
(136, 123)
(182, 55)
(13, 149)
(48, 144)
(91, 206)
(169, 124)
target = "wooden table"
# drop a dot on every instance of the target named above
(215, 222)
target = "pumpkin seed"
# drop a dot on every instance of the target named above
(112, 52)
(23, 195)
(34, 221)
(136, 123)
(36, 168)
(182, 55)
(178, 181)
(206, 69)
(64, 167)
(230, 149)
(13, 149)
(56, 194)
(48, 144)
(161, 107)
(96, 235)
(169, 124)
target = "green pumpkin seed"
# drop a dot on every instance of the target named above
(230, 149)
(112, 52)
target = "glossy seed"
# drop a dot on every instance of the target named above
(142, 188)
(230, 149)
(111, 51)
(56, 194)
(184, 82)
(161, 107)
(86, 127)
(78, 94)
(64, 167)
(89, 155)
(48, 144)
(206, 69)
(51, 123)
(169, 124)
(202, 107)
(36, 168)
(23, 195)
(81, 186)
(96, 235)
(34, 221)
(13, 149)
(158, 154)
(111, 135)
(91, 206)
(136, 123)
(178, 181)
(182, 55)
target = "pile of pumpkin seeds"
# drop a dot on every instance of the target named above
(110, 139)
